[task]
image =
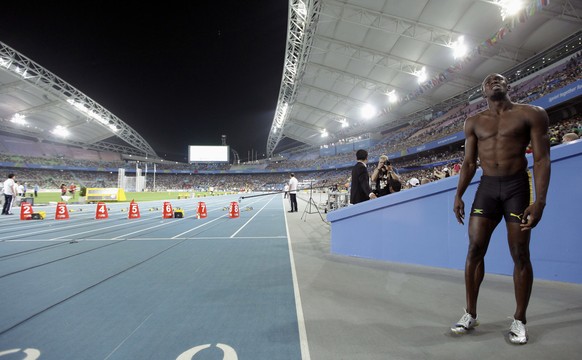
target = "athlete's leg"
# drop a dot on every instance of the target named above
(480, 230)
(522, 268)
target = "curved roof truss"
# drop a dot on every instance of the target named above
(342, 55)
(29, 90)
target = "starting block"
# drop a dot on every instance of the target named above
(178, 213)
(38, 215)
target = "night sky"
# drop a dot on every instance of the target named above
(181, 74)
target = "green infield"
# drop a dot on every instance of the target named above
(47, 197)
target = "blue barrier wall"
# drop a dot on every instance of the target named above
(417, 226)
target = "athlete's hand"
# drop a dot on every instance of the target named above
(459, 209)
(532, 216)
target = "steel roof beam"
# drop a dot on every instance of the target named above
(302, 21)
(390, 62)
(33, 74)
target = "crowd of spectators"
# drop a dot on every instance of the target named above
(94, 169)
(425, 167)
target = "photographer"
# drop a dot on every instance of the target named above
(386, 179)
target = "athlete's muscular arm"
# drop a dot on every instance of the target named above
(541, 166)
(468, 169)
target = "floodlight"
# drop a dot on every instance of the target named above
(368, 111)
(510, 7)
(421, 75)
(392, 97)
(18, 119)
(284, 108)
(61, 131)
(93, 114)
(459, 48)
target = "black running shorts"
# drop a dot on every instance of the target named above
(503, 196)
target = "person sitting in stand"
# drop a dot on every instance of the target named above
(457, 168)
(412, 182)
(438, 174)
(568, 137)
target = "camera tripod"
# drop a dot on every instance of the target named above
(311, 203)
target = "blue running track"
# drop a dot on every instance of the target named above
(150, 288)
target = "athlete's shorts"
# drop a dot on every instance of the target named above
(503, 196)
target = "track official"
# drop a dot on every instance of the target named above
(293, 192)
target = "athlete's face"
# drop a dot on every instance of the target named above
(495, 87)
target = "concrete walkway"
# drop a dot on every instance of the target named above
(359, 309)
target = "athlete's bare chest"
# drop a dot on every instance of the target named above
(501, 126)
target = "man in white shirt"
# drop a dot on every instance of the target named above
(10, 192)
(293, 182)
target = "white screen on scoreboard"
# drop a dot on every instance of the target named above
(206, 153)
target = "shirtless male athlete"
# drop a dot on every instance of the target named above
(498, 137)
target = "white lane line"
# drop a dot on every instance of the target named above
(94, 230)
(185, 232)
(149, 228)
(298, 306)
(128, 336)
(252, 217)
(85, 216)
(142, 230)
(76, 223)
(198, 227)
(159, 239)
(43, 229)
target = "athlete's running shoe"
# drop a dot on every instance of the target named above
(518, 332)
(466, 323)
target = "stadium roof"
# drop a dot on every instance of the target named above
(46, 101)
(340, 57)
(344, 55)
